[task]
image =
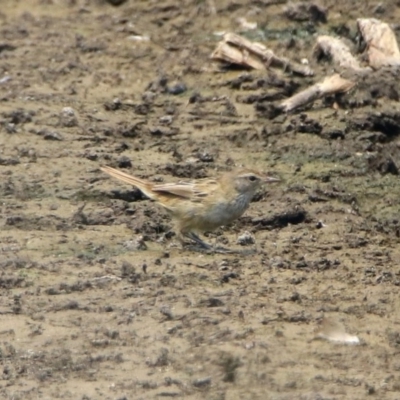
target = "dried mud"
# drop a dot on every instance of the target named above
(97, 299)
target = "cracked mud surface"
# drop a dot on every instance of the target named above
(98, 301)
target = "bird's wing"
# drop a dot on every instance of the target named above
(184, 190)
(194, 191)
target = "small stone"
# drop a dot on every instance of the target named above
(149, 97)
(246, 239)
(204, 156)
(320, 225)
(124, 162)
(92, 156)
(228, 276)
(136, 244)
(166, 120)
(167, 312)
(68, 117)
(202, 382)
(114, 105)
(177, 88)
(249, 346)
(52, 136)
(10, 128)
(163, 131)
(5, 79)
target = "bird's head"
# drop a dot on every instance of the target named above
(248, 181)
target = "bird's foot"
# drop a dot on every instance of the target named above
(198, 245)
(194, 240)
(242, 252)
(220, 250)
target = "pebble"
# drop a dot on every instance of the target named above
(68, 118)
(246, 239)
(136, 244)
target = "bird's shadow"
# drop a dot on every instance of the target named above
(220, 250)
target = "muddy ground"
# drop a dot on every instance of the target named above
(88, 311)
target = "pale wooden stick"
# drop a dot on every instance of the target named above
(338, 52)
(330, 85)
(381, 41)
(267, 55)
(233, 55)
(251, 52)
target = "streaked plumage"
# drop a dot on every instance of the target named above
(204, 204)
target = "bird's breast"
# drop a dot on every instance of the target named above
(224, 212)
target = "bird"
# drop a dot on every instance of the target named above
(201, 205)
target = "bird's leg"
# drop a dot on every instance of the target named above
(194, 239)
(198, 241)
(203, 246)
(206, 246)
(224, 250)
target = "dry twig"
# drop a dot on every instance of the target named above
(381, 41)
(337, 51)
(237, 50)
(330, 85)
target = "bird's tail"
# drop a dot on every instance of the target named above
(141, 184)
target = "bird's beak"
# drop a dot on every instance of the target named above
(271, 179)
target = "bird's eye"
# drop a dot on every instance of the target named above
(252, 178)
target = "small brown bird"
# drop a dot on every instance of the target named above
(203, 204)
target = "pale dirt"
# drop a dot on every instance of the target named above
(80, 316)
